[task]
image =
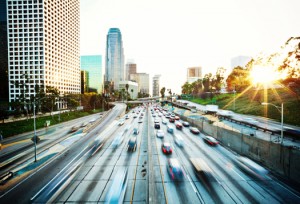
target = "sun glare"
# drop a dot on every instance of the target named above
(264, 75)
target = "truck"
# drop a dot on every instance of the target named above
(211, 109)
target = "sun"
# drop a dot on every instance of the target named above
(264, 75)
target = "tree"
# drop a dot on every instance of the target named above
(127, 86)
(131, 93)
(206, 81)
(238, 79)
(196, 86)
(218, 79)
(52, 94)
(186, 88)
(162, 92)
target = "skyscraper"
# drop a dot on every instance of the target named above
(3, 53)
(43, 45)
(93, 64)
(130, 69)
(155, 85)
(114, 61)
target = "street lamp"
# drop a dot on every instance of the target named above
(280, 109)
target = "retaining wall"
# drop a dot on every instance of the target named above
(281, 159)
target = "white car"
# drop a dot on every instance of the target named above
(160, 134)
(164, 121)
(179, 140)
(121, 122)
(117, 141)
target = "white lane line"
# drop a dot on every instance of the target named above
(58, 174)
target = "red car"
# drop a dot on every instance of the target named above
(172, 120)
(166, 148)
(194, 130)
(178, 125)
(210, 140)
(177, 117)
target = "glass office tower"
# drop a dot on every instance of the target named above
(114, 61)
(93, 65)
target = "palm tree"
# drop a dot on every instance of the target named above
(162, 92)
(131, 93)
(127, 86)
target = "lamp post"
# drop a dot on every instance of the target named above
(34, 127)
(234, 98)
(280, 109)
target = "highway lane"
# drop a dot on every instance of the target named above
(95, 178)
(27, 188)
(230, 184)
(147, 174)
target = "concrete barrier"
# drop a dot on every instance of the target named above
(281, 159)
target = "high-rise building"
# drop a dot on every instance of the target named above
(3, 53)
(239, 61)
(193, 74)
(93, 64)
(130, 69)
(114, 61)
(43, 45)
(143, 81)
(84, 81)
(155, 85)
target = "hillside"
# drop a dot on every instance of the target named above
(250, 103)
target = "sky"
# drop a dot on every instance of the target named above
(167, 36)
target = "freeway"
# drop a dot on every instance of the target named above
(91, 170)
(23, 188)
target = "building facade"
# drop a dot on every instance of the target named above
(3, 52)
(93, 65)
(155, 85)
(143, 82)
(114, 61)
(132, 89)
(43, 46)
(193, 74)
(130, 69)
(84, 81)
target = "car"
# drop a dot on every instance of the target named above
(160, 114)
(251, 167)
(202, 170)
(154, 115)
(121, 122)
(126, 116)
(132, 144)
(117, 141)
(210, 140)
(170, 129)
(140, 121)
(172, 120)
(167, 115)
(174, 169)
(166, 148)
(164, 121)
(117, 190)
(141, 117)
(74, 129)
(135, 131)
(194, 130)
(179, 140)
(178, 125)
(142, 114)
(84, 124)
(135, 116)
(157, 125)
(156, 120)
(186, 124)
(176, 117)
(160, 134)
(173, 115)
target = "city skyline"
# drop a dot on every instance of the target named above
(193, 33)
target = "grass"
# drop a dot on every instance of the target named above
(18, 127)
(250, 103)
